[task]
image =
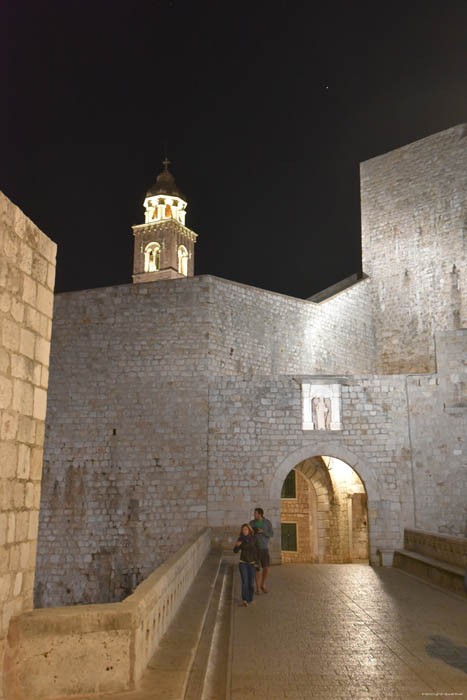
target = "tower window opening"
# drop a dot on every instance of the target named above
(182, 260)
(168, 211)
(152, 257)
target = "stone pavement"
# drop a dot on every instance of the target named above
(348, 631)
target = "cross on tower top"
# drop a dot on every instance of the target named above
(166, 163)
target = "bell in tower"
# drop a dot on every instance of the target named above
(164, 246)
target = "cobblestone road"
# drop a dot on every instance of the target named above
(348, 631)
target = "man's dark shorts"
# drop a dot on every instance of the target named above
(264, 560)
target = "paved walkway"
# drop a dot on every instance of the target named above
(348, 631)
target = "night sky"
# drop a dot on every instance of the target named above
(265, 108)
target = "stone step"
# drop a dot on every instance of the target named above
(439, 573)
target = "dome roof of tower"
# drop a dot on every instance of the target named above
(165, 184)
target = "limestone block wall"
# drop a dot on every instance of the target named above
(27, 275)
(256, 437)
(348, 518)
(254, 331)
(125, 475)
(438, 428)
(125, 468)
(414, 233)
(359, 527)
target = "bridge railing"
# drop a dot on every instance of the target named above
(73, 650)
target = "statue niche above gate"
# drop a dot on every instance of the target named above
(321, 407)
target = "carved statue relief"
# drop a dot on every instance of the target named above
(321, 408)
(321, 413)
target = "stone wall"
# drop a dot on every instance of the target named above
(254, 331)
(256, 438)
(438, 429)
(414, 232)
(126, 452)
(177, 403)
(348, 532)
(27, 275)
(125, 464)
(143, 447)
(359, 527)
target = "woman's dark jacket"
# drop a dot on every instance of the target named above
(248, 552)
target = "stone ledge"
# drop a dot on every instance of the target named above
(60, 652)
(440, 573)
(444, 548)
(170, 671)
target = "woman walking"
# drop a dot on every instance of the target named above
(248, 562)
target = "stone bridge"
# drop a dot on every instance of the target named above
(325, 631)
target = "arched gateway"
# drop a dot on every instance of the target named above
(331, 529)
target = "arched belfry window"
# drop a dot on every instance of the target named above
(152, 257)
(182, 260)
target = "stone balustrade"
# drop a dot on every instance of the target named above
(452, 550)
(61, 652)
(439, 559)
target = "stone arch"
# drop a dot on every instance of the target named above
(308, 460)
(318, 475)
(316, 448)
(182, 254)
(152, 257)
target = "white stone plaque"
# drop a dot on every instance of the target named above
(321, 407)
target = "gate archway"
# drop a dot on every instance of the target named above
(341, 485)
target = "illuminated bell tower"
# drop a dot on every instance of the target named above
(164, 246)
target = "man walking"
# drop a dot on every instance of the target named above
(263, 532)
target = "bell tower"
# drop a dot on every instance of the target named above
(164, 246)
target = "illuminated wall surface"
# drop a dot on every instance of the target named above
(27, 275)
(180, 403)
(414, 203)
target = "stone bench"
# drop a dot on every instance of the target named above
(439, 559)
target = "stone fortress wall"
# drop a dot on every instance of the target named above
(256, 438)
(126, 458)
(178, 403)
(403, 434)
(438, 430)
(414, 243)
(253, 331)
(27, 276)
(125, 468)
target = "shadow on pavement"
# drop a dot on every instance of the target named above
(442, 648)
